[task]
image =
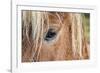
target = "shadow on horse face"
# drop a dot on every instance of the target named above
(48, 36)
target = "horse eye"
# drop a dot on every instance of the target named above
(50, 35)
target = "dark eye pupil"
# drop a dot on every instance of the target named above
(50, 35)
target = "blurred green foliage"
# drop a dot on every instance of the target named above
(86, 25)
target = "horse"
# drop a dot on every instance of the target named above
(53, 36)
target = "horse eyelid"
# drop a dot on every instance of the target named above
(50, 35)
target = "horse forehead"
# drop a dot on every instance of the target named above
(55, 16)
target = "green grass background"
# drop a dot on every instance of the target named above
(86, 25)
